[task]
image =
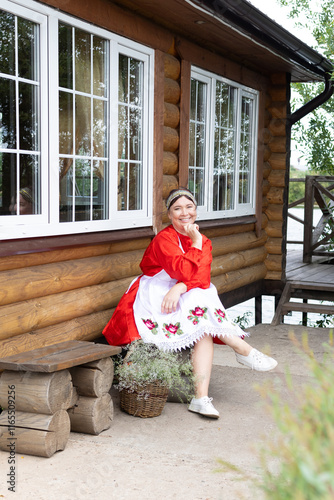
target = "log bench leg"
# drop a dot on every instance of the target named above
(35, 419)
(94, 410)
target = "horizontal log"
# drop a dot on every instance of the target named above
(264, 222)
(266, 153)
(274, 246)
(266, 170)
(93, 379)
(267, 115)
(231, 262)
(265, 203)
(236, 279)
(169, 182)
(171, 139)
(277, 127)
(265, 187)
(171, 115)
(37, 392)
(34, 314)
(273, 275)
(48, 279)
(274, 229)
(237, 242)
(265, 135)
(92, 415)
(274, 263)
(84, 328)
(170, 163)
(278, 109)
(172, 67)
(274, 212)
(227, 230)
(37, 259)
(172, 91)
(35, 434)
(278, 144)
(275, 195)
(277, 178)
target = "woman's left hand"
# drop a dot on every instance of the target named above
(172, 297)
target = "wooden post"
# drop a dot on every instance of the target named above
(308, 220)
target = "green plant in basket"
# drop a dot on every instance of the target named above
(145, 364)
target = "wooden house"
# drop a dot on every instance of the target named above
(107, 105)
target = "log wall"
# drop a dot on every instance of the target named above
(274, 174)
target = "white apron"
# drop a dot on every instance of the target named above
(198, 312)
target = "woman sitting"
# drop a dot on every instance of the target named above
(174, 305)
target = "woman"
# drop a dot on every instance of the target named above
(174, 305)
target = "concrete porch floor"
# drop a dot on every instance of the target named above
(173, 456)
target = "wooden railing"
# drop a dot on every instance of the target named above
(317, 239)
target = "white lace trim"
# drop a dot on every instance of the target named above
(188, 340)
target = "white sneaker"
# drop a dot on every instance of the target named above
(203, 406)
(256, 360)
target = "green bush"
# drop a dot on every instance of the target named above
(305, 448)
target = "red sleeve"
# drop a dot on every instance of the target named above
(192, 267)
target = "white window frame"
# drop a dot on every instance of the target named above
(47, 224)
(206, 211)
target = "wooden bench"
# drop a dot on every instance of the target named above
(49, 391)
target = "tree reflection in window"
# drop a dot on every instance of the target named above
(20, 178)
(130, 116)
(83, 111)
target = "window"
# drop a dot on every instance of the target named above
(75, 125)
(222, 146)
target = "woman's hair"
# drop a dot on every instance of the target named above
(175, 194)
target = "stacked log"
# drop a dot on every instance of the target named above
(172, 93)
(35, 419)
(93, 411)
(275, 171)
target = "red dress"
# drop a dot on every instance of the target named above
(170, 255)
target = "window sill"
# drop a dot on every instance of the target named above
(45, 244)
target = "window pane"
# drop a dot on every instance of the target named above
(29, 189)
(20, 176)
(224, 147)
(130, 169)
(197, 140)
(122, 186)
(8, 114)
(65, 57)
(28, 115)
(83, 125)
(7, 43)
(245, 150)
(27, 49)
(82, 61)
(83, 131)
(100, 190)
(99, 67)
(82, 190)
(8, 186)
(100, 142)
(65, 123)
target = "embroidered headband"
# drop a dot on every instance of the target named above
(177, 194)
(26, 194)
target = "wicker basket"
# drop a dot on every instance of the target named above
(150, 405)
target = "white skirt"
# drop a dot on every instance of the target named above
(199, 312)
